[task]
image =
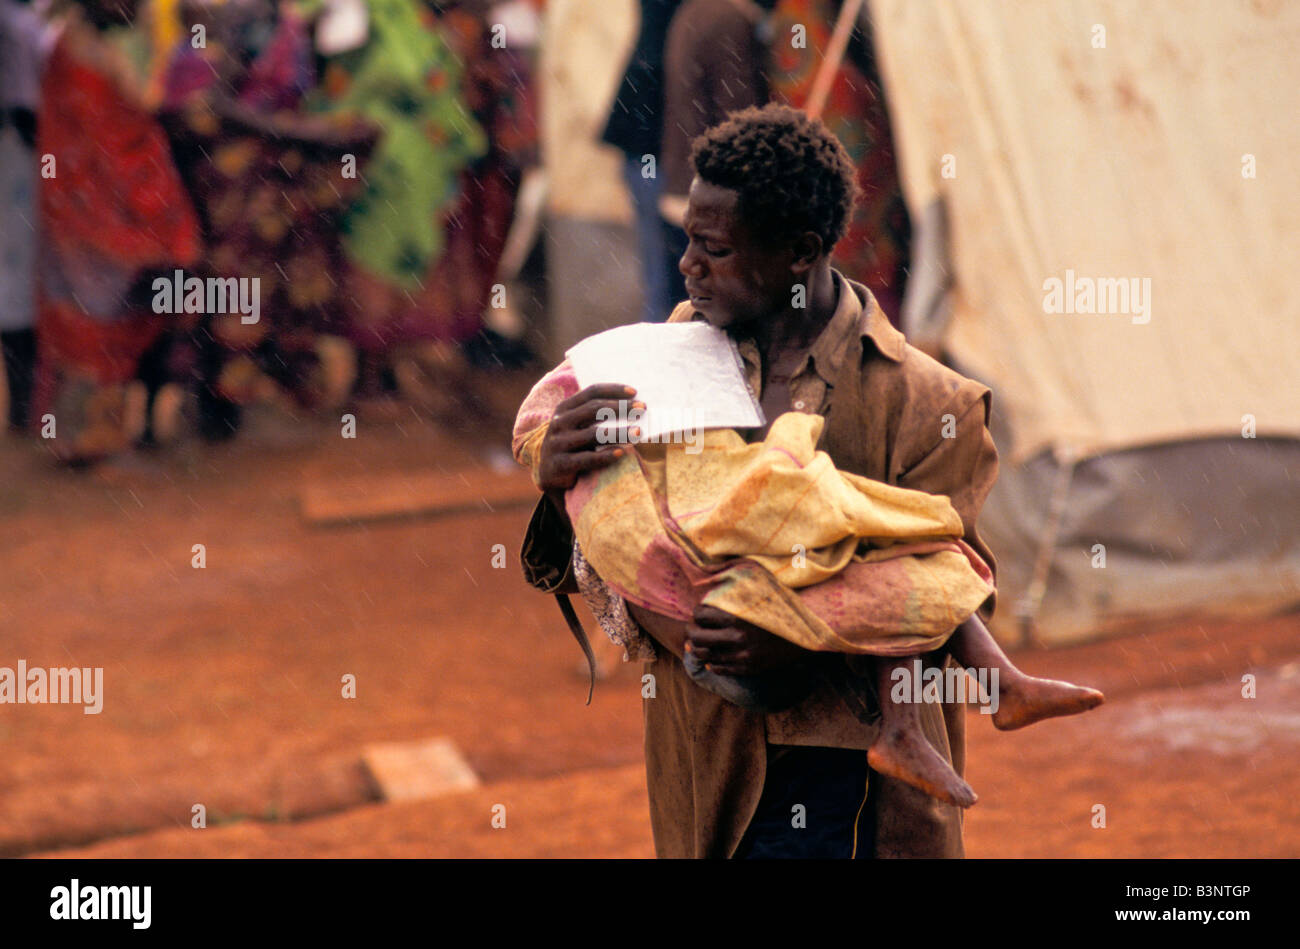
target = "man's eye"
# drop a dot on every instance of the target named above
(713, 251)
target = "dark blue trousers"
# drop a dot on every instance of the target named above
(830, 784)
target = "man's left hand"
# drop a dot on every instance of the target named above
(732, 647)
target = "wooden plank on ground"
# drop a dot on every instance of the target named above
(416, 770)
(424, 493)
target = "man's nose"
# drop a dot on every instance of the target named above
(690, 264)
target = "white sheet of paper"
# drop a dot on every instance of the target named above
(689, 375)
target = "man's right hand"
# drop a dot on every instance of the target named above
(570, 448)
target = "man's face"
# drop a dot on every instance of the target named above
(731, 279)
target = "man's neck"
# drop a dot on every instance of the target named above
(794, 329)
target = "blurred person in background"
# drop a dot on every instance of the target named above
(450, 83)
(874, 250)
(394, 67)
(271, 184)
(23, 38)
(113, 212)
(715, 63)
(635, 127)
(498, 42)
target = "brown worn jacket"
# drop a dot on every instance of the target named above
(892, 414)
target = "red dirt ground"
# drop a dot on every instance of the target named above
(223, 684)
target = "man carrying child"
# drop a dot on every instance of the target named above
(772, 194)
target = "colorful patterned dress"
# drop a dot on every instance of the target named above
(271, 188)
(458, 176)
(113, 209)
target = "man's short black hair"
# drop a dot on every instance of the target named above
(791, 173)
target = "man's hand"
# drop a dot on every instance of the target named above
(570, 448)
(732, 647)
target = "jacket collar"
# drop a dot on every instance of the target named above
(858, 314)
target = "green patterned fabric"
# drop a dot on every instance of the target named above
(406, 80)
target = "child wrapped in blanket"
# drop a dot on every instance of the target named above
(773, 534)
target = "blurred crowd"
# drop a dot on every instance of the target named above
(358, 159)
(362, 161)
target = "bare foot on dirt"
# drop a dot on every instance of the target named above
(906, 755)
(1031, 699)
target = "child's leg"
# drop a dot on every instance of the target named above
(1021, 699)
(901, 749)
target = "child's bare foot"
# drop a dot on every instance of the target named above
(906, 755)
(1030, 699)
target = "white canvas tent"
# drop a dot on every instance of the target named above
(1119, 186)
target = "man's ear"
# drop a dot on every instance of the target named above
(806, 249)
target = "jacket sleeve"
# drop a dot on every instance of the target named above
(963, 467)
(547, 553)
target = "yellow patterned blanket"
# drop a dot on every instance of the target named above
(770, 532)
